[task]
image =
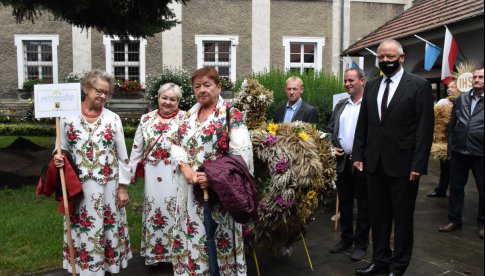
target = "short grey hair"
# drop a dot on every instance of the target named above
(93, 76)
(359, 72)
(392, 41)
(170, 86)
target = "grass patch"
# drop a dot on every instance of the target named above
(31, 232)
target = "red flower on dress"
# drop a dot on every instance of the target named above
(223, 243)
(83, 256)
(190, 229)
(159, 249)
(106, 170)
(160, 154)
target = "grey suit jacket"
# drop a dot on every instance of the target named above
(305, 113)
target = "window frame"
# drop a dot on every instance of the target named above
(233, 39)
(318, 55)
(108, 48)
(21, 63)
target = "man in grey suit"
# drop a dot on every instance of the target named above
(350, 183)
(295, 109)
(392, 143)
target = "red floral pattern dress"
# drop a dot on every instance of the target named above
(99, 228)
(160, 190)
(196, 144)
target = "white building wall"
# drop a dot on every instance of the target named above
(261, 35)
(172, 41)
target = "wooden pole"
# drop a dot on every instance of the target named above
(256, 262)
(337, 217)
(306, 250)
(64, 196)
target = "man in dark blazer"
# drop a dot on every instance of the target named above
(466, 141)
(295, 109)
(392, 144)
(350, 183)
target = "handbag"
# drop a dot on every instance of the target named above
(140, 166)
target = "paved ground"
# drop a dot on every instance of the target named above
(458, 253)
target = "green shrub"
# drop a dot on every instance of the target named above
(178, 76)
(44, 130)
(29, 84)
(318, 90)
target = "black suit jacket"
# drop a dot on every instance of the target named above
(333, 128)
(305, 113)
(401, 142)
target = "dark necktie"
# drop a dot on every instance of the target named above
(384, 99)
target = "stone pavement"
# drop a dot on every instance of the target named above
(457, 253)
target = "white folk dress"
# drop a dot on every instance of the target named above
(160, 191)
(200, 143)
(99, 228)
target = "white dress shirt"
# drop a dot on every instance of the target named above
(348, 122)
(392, 89)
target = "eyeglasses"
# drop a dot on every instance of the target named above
(100, 92)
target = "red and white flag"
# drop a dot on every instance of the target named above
(450, 51)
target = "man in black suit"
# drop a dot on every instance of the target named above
(392, 143)
(295, 109)
(350, 183)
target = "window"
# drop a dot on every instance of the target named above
(303, 54)
(218, 52)
(125, 59)
(37, 57)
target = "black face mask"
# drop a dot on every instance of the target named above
(389, 67)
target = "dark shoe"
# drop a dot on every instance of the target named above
(357, 255)
(340, 247)
(450, 227)
(480, 233)
(436, 194)
(372, 269)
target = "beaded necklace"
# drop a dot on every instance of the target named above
(170, 116)
(88, 115)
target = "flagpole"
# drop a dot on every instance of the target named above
(417, 36)
(372, 52)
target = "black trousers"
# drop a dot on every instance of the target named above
(352, 185)
(445, 177)
(460, 165)
(392, 199)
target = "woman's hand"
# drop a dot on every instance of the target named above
(189, 174)
(58, 160)
(123, 198)
(202, 180)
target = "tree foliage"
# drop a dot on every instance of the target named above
(137, 18)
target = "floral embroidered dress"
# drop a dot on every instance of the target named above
(99, 228)
(160, 192)
(198, 143)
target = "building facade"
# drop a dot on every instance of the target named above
(238, 37)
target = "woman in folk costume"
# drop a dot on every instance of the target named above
(201, 139)
(96, 141)
(439, 149)
(151, 147)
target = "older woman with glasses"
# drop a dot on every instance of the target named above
(96, 141)
(151, 147)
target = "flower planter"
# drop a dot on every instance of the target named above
(128, 95)
(24, 94)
